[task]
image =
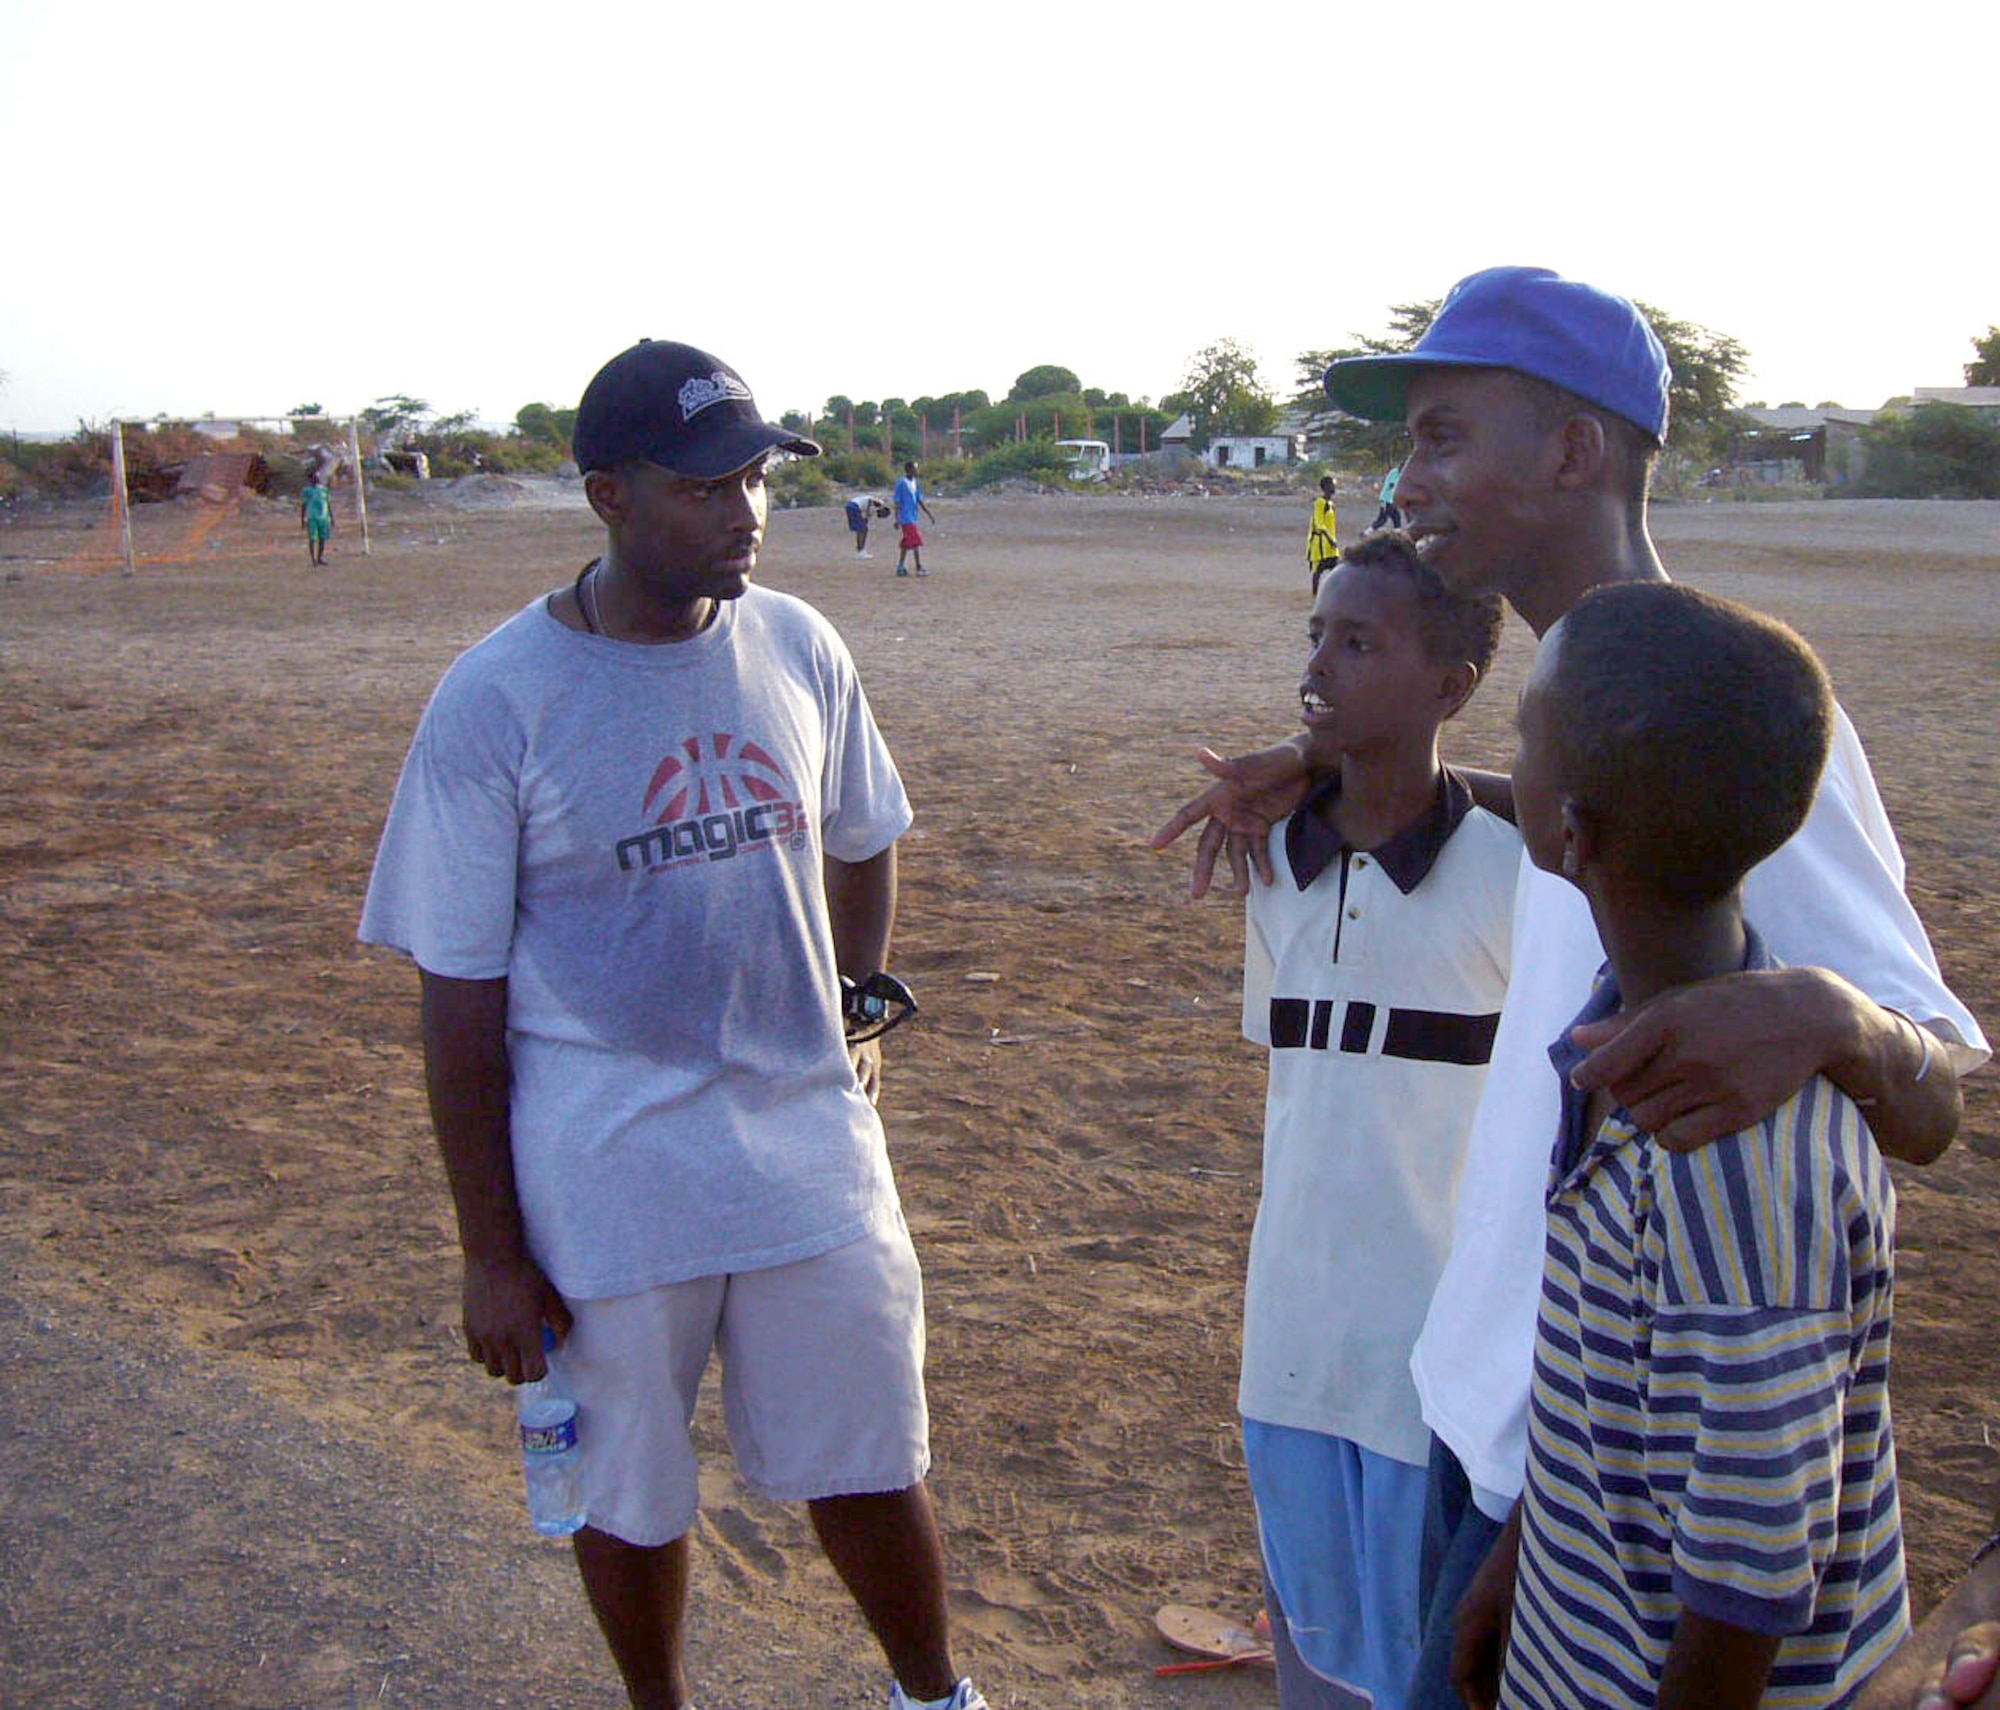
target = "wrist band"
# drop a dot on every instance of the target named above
(1984, 1550)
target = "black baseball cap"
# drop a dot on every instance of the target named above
(677, 407)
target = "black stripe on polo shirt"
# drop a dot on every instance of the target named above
(1433, 1037)
(1418, 1035)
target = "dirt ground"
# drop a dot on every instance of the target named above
(228, 1253)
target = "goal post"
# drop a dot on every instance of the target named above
(121, 492)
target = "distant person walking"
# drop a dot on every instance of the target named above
(1389, 516)
(1323, 539)
(909, 502)
(316, 517)
(861, 510)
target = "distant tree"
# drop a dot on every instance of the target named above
(1127, 424)
(1986, 370)
(1936, 451)
(939, 413)
(906, 431)
(299, 410)
(457, 446)
(1043, 382)
(1044, 416)
(1222, 394)
(1348, 436)
(939, 409)
(395, 415)
(545, 425)
(1707, 367)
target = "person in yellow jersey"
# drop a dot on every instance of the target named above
(1323, 541)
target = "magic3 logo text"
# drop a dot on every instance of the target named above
(713, 802)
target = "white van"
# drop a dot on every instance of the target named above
(1089, 459)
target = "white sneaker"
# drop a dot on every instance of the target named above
(964, 1696)
(864, 555)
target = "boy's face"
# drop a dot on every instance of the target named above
(1473, 483)
(1368, 683)
(1538, 800)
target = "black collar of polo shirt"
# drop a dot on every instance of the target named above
(1311, 845)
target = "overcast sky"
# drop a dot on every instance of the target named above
(245, 211)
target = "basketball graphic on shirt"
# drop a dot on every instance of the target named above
(726, 774)
(711, 799)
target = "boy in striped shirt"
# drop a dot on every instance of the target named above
(1711, 1515)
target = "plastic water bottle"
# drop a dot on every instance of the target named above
(550, 1452)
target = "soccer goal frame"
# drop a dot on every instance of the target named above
(121, 497)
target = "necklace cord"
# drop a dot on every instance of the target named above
(586, 591)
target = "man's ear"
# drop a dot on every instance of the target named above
(606, 490)
(1584, 451)
(1581, 843)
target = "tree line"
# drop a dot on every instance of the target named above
(1932, 450)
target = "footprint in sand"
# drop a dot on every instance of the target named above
(742, 1547)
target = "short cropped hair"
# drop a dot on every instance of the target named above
(1634, 448)
(1451, 627)
(1691, 730)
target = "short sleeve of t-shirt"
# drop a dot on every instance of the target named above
(445, 876)
(865, 809)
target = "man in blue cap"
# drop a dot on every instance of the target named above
(1536, 407)
(646, 831)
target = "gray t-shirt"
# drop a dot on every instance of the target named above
(632, 836)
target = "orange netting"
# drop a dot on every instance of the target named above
(204, 529)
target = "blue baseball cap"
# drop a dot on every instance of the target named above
(1535, 322)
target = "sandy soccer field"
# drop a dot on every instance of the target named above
(243, 1461)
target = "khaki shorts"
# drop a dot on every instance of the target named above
(822, 1384)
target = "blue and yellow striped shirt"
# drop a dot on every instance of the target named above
(1709, 1425)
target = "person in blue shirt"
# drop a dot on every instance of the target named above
(909, 502)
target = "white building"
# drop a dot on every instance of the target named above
(1235, 450)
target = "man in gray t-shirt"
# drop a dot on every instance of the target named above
(646, 828)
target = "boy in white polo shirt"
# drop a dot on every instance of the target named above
(1374, 970)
